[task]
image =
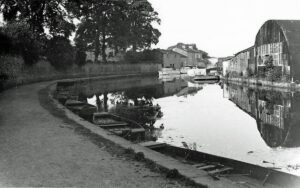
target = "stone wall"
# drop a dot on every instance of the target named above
(13, 72)
(260, 82)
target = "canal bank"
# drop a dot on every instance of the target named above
(258, 82)
(39, 149)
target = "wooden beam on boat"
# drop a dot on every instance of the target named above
(120, 131)
(219, 171)
(153, 144)
(71, 102)
(198, 165)
(137, 130)
(114, 125)
(207, 167)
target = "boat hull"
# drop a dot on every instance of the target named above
(260, 173)
(121, 126)
(204, 78)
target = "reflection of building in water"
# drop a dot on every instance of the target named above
(275, 119)
(173, 87)
(274, 111)
(245, 98)
(225, 91)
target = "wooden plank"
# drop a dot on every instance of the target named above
(207, 167)
(71, 102)
(199, 165)
(113, 125)
(137, 130)
(119, 131)
(152, 144)
(218, 171)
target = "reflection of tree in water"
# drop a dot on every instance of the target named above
(137, 104)
(153, 133)
(190, 146)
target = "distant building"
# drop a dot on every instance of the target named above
(279, 40)
(225, 66)
(193, 56)
(172, 59)
(223, 63)
(275, 55)
(242, 62)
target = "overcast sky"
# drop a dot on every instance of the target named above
(219, 27)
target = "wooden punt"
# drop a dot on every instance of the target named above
(119, 125)
(235, 170)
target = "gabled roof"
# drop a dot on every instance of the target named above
(193, 50)
(171, 51)
(245, 50)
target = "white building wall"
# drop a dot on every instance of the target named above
(225, 66)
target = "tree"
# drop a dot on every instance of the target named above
(80, 57)
(5, 44)
(60, 53)
(118, 24)
(141, 16)
(23, 42)
(95, 28)
(40, 14)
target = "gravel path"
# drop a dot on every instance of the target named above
(39, 148)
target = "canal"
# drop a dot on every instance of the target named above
(254, 125)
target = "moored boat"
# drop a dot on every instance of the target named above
(207, 77)
(168, 71)
(221, 167)
(119, 125)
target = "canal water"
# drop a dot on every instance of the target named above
(255, 125)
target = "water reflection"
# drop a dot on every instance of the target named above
(275, 113)
(137, 103)
(243, 123)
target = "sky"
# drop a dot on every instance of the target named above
(219, 27)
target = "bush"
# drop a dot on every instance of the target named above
(60, 53)
(80, 58)
(249, 72)
(274, 74)
(10, 66)
(148, 56)
(21, 41)
(5, 44)
(132, 57)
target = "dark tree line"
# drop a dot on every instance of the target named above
(35, 27)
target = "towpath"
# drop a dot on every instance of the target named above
(38, 148)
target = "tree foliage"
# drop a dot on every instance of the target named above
(40, 15)
(60, 53)
(141, 16)
(119, 24)
(21, 41)
(6, 46)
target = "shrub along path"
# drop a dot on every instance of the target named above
(39, 147)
